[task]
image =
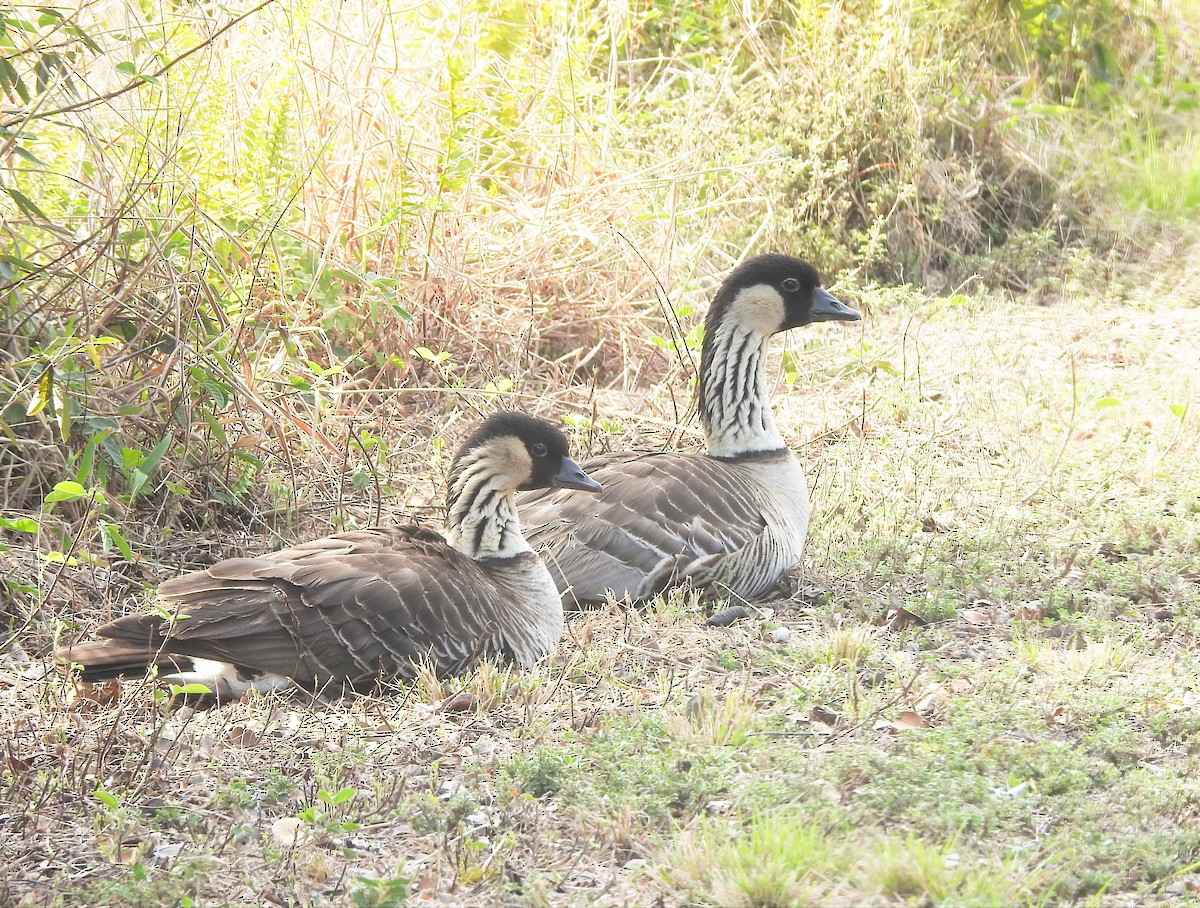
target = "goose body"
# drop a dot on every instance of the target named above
(344, 611)
(731, 520)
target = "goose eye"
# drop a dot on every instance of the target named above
(539, 450)
(790, 284)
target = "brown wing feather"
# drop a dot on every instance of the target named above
(345, 608)
(658, 514)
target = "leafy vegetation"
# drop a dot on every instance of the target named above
(261, 264)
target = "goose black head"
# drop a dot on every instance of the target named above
(772, 293)
(528, 453)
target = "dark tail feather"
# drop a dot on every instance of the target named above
(105, 660)
(138, 646)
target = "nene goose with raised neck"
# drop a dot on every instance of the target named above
(729, 521)
(343, 612)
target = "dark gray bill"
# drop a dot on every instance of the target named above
(828, 308)
(571, 476)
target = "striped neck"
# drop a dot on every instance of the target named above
(481, 514)
(734, 406)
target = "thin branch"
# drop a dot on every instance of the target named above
(139, 80)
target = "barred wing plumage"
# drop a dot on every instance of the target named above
(346, 608)
(661, 519)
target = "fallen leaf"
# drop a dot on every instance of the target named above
(869, 678)
(899, 619)
(935, 698)
(460, 702)
(18, 766)
(243, 736)
(164, 854)
(821, 715)
(939, 522)
(811, 594)
(249, 441)
(85, 694)
(910, 719)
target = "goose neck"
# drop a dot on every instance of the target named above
(734, 406)
(481, 514)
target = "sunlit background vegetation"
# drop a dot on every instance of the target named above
(220, 223)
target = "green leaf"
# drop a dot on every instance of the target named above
(67, 490)
(145, 466)
(156, 453)
(87, 457)
(58, 558)
(1108, 402)
(113, 534)
(126, 69)
(25, 203)
(429, 356)
(138, 480)
(106, 798)
(333, 799)
(11, 81)
(28, 156)
(883, 365)
(1180, 410)
(64, 416)
(19, 524)
(194, 689)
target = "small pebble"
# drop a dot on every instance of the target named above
(872, 678)
(781, 635)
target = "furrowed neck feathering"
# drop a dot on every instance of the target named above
(481, 515)
(734, 406)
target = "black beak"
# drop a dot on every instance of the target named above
(828, 308)
(571, 476)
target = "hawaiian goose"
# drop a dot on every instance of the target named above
(731, 521)
(345, 611)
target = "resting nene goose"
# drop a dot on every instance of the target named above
(342, 612)
(732, 520)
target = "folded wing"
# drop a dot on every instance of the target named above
(659, 517)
